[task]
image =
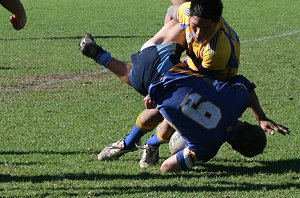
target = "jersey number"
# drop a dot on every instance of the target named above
(206, 113)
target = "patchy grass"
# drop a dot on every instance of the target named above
(59, 109)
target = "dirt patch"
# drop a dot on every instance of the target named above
(40, 82)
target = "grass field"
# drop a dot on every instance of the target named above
(59, 109)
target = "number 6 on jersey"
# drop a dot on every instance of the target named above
(206, 113)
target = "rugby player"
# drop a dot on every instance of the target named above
(210, 51)
(212, 48)
(203, 110)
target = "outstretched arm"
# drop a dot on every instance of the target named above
(18, 19)
(265, 123)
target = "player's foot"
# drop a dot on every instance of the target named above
(150, 156)
(114, 151)
(89, 48)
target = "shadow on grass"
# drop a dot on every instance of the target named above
(74, 37)
(16, 68)
(168, 188)
(44, 152)
(6, 68)
(110, 190)
(221, 187)
(21, 163)
(268, 167)
(211, 171)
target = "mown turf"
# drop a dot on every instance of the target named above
(59, 109)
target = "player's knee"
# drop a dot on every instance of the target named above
(166, 136)
(170, 165)
(165, 133)
(165, 167)
(149, 119)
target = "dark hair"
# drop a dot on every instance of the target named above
(249, 140)
(207, 9)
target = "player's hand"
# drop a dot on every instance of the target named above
(18, 22)
(271, 127)
(149, 103)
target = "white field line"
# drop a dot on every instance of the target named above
(272, 37)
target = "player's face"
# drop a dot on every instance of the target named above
(201, 28)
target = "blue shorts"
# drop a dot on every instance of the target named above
(150, 64)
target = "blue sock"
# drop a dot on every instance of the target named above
(154, 141)
(134, 137)
(103, 58)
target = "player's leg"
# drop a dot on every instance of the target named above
(182, 160)
(170, 164)
(169, 33)
(172, 10)
(146, 122)
(89, 48)
(150, 155)
(171, 13)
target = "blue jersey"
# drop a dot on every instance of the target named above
(203, 110)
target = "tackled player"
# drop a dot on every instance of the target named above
(205, 111)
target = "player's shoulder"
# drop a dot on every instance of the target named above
(221, 43)
(227, 30)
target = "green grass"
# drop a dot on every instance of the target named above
(59, 109)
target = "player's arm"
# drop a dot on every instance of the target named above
(18, 19)
(265, 123)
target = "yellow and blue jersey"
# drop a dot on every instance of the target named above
(218, 55)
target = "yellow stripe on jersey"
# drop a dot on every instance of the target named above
(184, 69)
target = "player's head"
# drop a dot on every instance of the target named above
(204, 15)
(207, 9)
(249, 140)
